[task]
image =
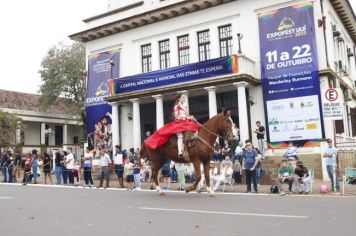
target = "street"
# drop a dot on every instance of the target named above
(41, 210)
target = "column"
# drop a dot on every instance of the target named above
(136, 123)
(159, 110)
(242, 105)
(126, 137)
(185, 93)
(212, 101)
(43, 133)
(115, 128)
(65, 134)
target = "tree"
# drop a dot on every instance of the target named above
(62, 77)
(8, 125)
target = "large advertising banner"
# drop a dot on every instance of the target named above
(102, 68)
(175, 75)
(290, 75)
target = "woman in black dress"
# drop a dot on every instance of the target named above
(47, 168)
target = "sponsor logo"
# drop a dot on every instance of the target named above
(277, 107)
(286, 29)
(306, 104)
(103, 89)
(273, 121)
(275, 129)
(312, 126)
(297, 128)
(286, 23)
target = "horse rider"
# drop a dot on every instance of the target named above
(182, 122)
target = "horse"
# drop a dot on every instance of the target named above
(200, 152)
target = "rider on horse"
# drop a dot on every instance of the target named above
(182, 122)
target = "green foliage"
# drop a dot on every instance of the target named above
(62, 77)
(8, 125)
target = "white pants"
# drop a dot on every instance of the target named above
(180, 143)
(218, 179)
(306, 183)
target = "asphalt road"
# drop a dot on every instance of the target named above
(37, 210)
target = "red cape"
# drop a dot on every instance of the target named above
(162, 135)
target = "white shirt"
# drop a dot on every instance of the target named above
(70, 161)
(118, 159)
(105, 160)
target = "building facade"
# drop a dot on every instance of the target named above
(157, 35)
(42, 130)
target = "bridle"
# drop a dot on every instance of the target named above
(211, 132)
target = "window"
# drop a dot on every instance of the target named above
(183, 50)
(146, 58)
(204, 45)
(225, 40)
(164, 54)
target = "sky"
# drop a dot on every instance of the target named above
(29, 28)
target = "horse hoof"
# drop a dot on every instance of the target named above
(162, 194)
(212, 194)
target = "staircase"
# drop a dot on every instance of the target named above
(272, 163)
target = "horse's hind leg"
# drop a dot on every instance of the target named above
(196, 164)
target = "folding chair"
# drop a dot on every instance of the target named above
(348, 174)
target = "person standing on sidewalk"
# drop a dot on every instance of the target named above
(10, 167)
(27, 170)
(104, 170)
(69, 163)
(34, 165)
(47, 168)
(330, 156)
(17, 164)
(119, 157)
(58, 167)
(4, 165)
(260, 131)
(249, 163)
(88, 162)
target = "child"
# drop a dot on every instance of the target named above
(137, 175)
(76, 172)
(128, 170)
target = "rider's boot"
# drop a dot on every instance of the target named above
(180, 145)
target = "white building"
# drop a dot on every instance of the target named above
(155, 34)
(42, 130)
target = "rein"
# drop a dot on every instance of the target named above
(210, 132)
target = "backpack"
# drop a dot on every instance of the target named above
(274, 188)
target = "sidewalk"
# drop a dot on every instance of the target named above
(237, 188)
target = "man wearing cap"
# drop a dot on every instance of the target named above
(330, 156)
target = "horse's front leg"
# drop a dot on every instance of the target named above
(207, 178)
(196, 164)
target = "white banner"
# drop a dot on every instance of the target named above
(294, 118)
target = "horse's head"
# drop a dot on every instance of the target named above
(225, 125)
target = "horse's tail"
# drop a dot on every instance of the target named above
(143, 153)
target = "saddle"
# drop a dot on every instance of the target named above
(189, 138)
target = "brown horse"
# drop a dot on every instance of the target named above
(200, 152)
